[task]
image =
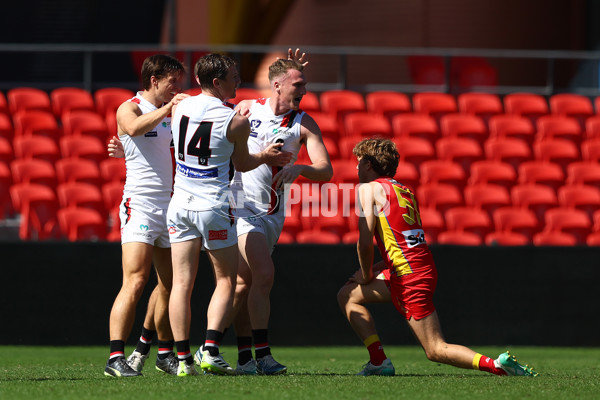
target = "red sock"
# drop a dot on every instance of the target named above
(376, 353)
(484, 363)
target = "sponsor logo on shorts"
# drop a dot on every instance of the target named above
(172, 229)
(217, 235)
(414, 237)
(144, 227)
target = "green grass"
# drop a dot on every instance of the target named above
(314, 373)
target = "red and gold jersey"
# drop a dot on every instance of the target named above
(398, 231)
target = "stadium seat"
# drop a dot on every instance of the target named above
(338, 103)
(6, 128)
(513, 219)
(558, 151)
(111, 125)
(310, 103)
(5, 182)
(407, 174)
(27, 99)
(459, 238)
(415, 125)
(113, 170)
(113, 230)
(80, 195)
(442, 171)
(572, 105)
(592, 127)
(542, 173)
(317, 237)
(494, 172)
(512, 126)
(335, 223)
(537, 198)
(3, 104)
(439, 196)
(108, 100)
(328, 125)
(434, 104)
(414, 150)
(293, 223)
(31, 171)
(433, 223)
(529, 105)
(42, 123)
(554, 239)
(350, 237)
(468, 219)
(584, 173)
(486, 197)
(464, 126)
(6, 151)
(590, 150)
(559, 127)
(482, 105)
(506, 239)
(78, 170)
(37, 205)
(332, 149)
(286, 238)
(462, 151)
(65, 99)
(366, 125)
(472, 73)
(387, 103)
(593, 239)
(581, 197)
(508, 150)
(426, 70)
(86, 147)
(246, 94)
(36, 147)
(112, 194)
(571, 221)
(81, 224)
(344, 170)
(85, 123)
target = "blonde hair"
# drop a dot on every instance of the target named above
(282, 66)
(382, 153)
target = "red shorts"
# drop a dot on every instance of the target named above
(412, 294)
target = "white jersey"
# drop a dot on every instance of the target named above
(148, 160)
(268, 128)
(203, 153)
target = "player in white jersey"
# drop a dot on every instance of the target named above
(277, 119)
(206, 136)
(143, 127)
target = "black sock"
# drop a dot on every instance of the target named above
(165, 348)
(117, 349)
(145, 341)
(244, 344)
(213, 340)
(183, 351)
(261, 342)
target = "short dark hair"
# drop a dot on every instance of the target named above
(282, 66)
(159, 66)
(382, 153)
(212, 66)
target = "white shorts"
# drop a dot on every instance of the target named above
(216, 230)
(252, 219)
(143, 223)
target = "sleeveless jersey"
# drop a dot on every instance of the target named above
(148, 160)
(203, 153)
(267, 128)
(398, 231)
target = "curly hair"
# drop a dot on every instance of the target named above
(382, 153)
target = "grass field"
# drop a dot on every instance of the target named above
(314, 373)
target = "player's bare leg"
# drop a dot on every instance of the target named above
(246, 365)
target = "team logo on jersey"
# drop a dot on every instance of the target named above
(255, 123)
(414, 237)
(151, 134)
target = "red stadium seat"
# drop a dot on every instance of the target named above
(434, 104)
(414, 150)
(407, 174)
(65, 99)
(112, 194)
(494, 172)
(415, 125)
(86, 147)
(5, 182)
(351, 237)
(427, 70)
(590, 150)
(36, 147)
(512, 126)
(338, 103)
(433, 223)
(572, 221)
(6, 151)
(468, 219)
(344, 170)
(328, 125)
(439, 196)
(246, 94)
(462, 151)
(506, 239)
(482, 105)
(571, 105)
(559, 151)
(584, 173)
(512, 219)
(581, 197)
(27, 99)
(554, 239)
(85, 123)
(42, 123)
(317, 237)
(113, 170)
(486, 197)
(3, 104)
(559, 127)
(78, 170)
(80, 195)
(286, 238)
(442, 171)
(388, 104)
(592, 127)
(529, 105)
(310, 103)
(366, 125)
(464, 126)
(459, 238)
(472, 73)
(507, 150)
(31, 171)
(37, 205)
(542, 173)
(81, 224)
(108, 100)
(6, 128)
(537, 198)
(593, 239)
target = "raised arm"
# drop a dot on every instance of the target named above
(132, 122)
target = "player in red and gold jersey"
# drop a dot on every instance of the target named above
(407, 275)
